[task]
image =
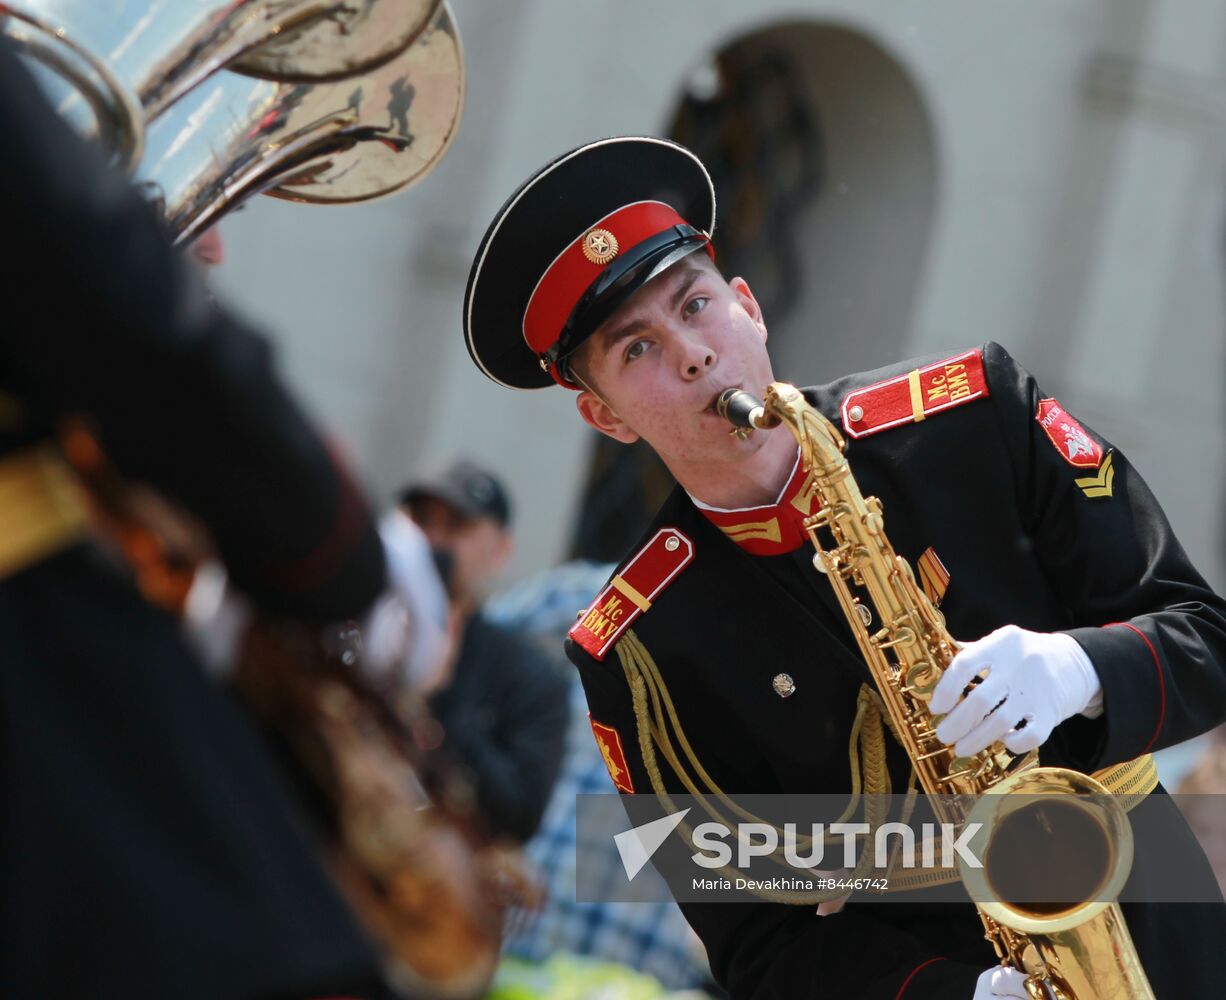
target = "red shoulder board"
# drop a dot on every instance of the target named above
(631, 591)
(910, 398)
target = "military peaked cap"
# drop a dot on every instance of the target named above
(576, 240)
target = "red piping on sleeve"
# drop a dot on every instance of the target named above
(1161, 681)
(914, 972)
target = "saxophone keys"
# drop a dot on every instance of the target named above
(865, 613)
(959, 767)
(922, 679)
(1032, 963)
(904, 636)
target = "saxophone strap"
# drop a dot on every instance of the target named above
(655, 715)
(42, 507)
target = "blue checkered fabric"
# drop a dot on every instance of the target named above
(650, 937)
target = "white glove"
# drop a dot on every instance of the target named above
(1001, 982)
(1033, 682)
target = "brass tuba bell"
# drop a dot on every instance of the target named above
(324, 143)
(112, 66)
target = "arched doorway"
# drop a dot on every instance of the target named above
(823, 160)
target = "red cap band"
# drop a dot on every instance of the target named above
(573, 271)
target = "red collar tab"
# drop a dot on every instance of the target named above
(631, 591)
(774, 529)
(910, 398)
(581, 263)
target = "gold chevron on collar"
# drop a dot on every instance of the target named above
(776, 528)
(748, 531)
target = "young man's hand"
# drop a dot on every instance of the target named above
(1029, 683)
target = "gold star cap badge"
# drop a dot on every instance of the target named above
(600, 246)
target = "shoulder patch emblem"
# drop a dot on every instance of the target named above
(910, 398)
(630, 592)
(610, 745)
(1075, 446)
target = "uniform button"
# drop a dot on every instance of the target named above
(856, 414)
(784, 686)
(672, 543)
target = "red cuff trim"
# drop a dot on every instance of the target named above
(572, 272)
(1161, 682)
(915, 972)
(318, 566)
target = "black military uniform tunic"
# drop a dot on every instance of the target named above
(984, 486)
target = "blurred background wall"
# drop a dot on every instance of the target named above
(896, 177)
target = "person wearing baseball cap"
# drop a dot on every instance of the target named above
(503, 707)
(716, 657)
(465, 513)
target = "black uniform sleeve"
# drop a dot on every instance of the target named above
(1151, 626)
(183, 396)
(771, 951)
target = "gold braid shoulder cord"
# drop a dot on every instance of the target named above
(869, 775)
(867, 752)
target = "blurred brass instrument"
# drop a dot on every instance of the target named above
(112, 66)
(1078, 951)
(324, 143)
(209, 102)
(402, 841)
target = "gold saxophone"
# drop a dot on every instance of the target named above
(1069, 951)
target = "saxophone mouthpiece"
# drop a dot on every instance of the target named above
(741, 409)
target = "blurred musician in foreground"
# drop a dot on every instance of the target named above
(148, 847)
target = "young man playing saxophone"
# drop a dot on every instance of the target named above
(1100, 641)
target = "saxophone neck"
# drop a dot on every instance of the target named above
(821, 442)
